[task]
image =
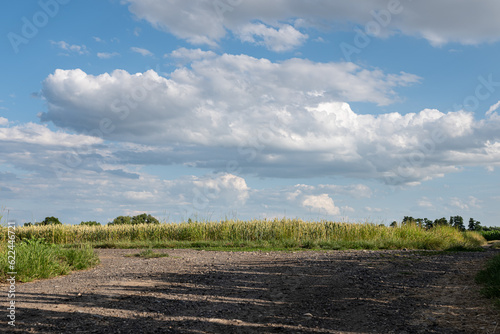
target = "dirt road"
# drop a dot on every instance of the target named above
(257, 292)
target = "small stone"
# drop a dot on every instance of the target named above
(308, 315)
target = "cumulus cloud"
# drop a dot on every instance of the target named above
(4, 121)
(214, 100)
(321, 203)
(288, 119)
(207, 22)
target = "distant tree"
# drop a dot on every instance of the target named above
(457, 222)
(121, 220)
(144, 219)
(139, 219)
(407, 220)
(428, 223)
(441, 221)
(394, 224)
(90, 223)
(28, 224)
(49, 221)
(474, 225)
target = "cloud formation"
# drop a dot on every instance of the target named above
(289, 119)
(278, 24)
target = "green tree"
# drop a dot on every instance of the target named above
(428, 223)
(90, 223)
(49, 221)
(139, 219)
(441, 221)
(474, 225)
(407, 220)
(121, 220)
(457, 222)
(144, 219)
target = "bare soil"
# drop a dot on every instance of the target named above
(262, 292)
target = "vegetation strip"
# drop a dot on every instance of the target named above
(267, 234)
(490, 279)
(37, 259)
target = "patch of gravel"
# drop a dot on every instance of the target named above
(262, 292)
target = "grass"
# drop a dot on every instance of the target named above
(276, 234)
(38, 259)
(490, 279)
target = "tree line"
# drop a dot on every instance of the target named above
(455, 221)
(120, 220)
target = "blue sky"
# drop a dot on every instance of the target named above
(346, 111)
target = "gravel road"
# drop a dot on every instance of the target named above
(195, 291)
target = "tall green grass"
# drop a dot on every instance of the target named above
(276, 233)
(37, 259)
(490, 279)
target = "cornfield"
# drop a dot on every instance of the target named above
(286, 233)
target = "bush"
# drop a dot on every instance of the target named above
(491, 234)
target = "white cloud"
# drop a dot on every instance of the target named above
(139, 195)
(469, 203)
(493, 108)
(4, 121)
(370, 209)
(283, 38)
(425, 203)
(321, 203)
(31, 133)
(191, 54)
(271, 119)
(73, 48)
(205, 22)
(230, 188)
(144, 52)
(107, 55)
(98, 39)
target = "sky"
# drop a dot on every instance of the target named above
(353, 111)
